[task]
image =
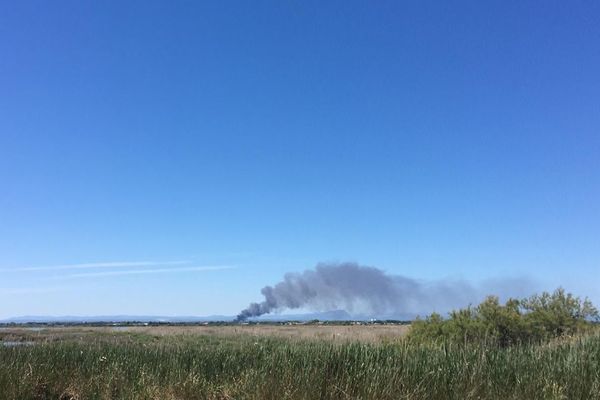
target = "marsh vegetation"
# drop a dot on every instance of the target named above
(463, 357)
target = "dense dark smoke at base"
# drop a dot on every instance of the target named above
(369, 291)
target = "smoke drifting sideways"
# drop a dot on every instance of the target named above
(368, 291)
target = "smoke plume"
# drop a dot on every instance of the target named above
(368, 291)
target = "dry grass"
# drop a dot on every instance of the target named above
(335, 333)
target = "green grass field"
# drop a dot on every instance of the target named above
(142, 366)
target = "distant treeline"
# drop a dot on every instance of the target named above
(208, 323)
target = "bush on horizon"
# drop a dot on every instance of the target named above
(536, 319)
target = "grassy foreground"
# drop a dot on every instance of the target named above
(133, 366)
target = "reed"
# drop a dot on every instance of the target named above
(133, 366)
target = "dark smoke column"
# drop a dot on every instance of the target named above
(335, 286)
(253, 310)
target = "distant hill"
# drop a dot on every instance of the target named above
(336, 315)
(115, 319)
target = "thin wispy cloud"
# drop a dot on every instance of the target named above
(95, 265)
(145, 271)
(29, 290)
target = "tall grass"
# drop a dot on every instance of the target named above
(194, 367)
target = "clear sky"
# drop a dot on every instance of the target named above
(174, 157)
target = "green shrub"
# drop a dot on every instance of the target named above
(535, 319)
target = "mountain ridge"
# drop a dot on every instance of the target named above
(335, 315)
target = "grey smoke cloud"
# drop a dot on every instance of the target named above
(362, 290)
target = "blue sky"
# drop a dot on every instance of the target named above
(175, 157)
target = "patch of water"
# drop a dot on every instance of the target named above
(16, 344)
(120, 328)
(27, 328)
